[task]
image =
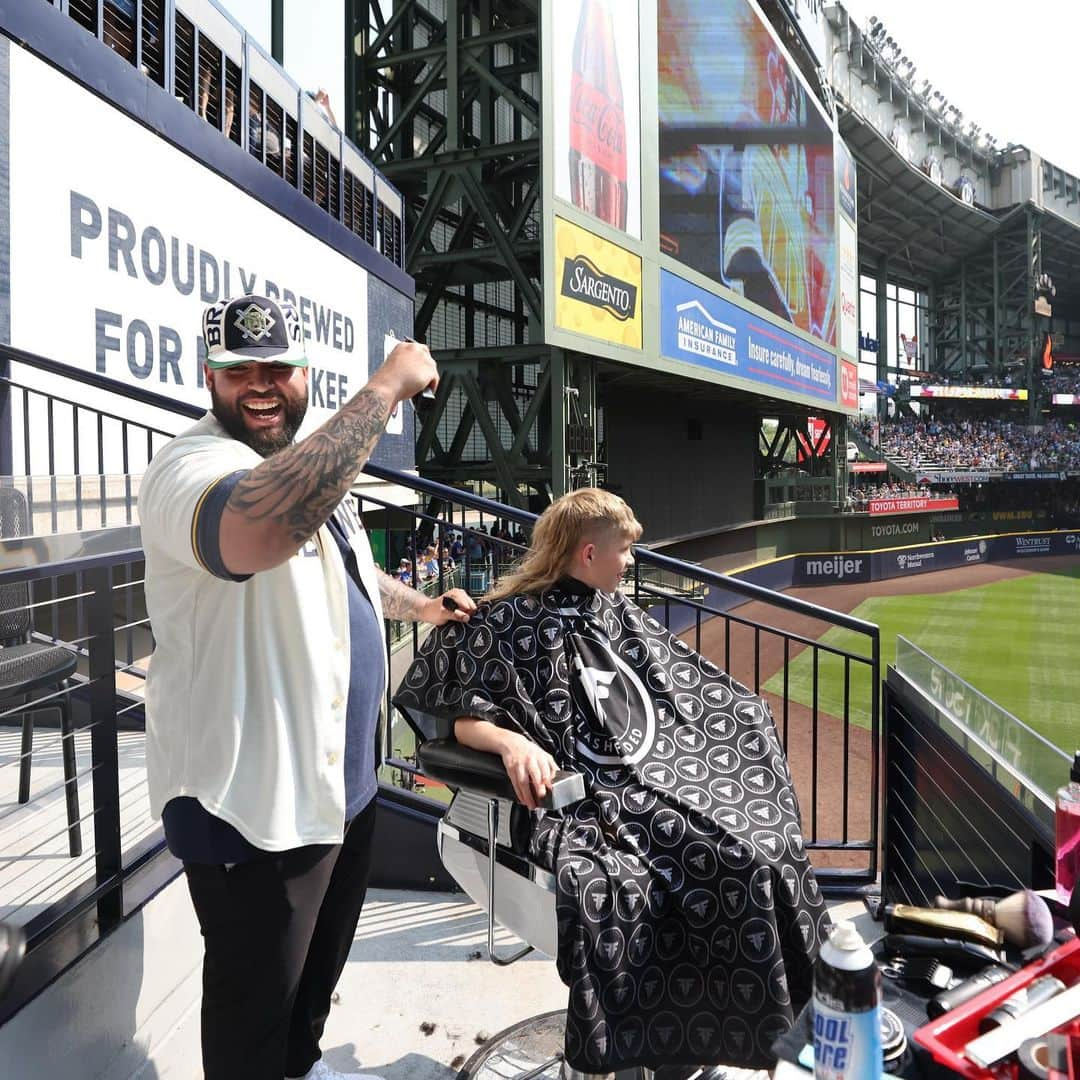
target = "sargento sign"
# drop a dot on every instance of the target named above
(598, 286)
(584, 281)
(917, 504)
(979, 393)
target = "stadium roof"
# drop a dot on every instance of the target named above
(903, 216)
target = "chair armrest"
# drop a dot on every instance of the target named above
(12, 946)
(457, 766)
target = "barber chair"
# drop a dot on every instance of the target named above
(483, 844)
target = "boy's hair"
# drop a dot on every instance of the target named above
(588, 514)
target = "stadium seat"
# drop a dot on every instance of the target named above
(31, 670)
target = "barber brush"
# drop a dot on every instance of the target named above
(1023, 918)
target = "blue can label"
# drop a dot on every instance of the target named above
(847, 1045)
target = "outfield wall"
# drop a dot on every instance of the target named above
(853, 567)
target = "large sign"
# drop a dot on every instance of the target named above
(849, 288)
(953, 476)
(746, 165)
(831, 569)
(709, 331)
(978, 393)
(113, 259)
(915, 504)
(597, 287)
(597, 117)
(849, 385)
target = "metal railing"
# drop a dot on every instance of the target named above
(67, 896)
(823, 690)
(818, 669)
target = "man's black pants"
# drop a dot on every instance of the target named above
(277, 932)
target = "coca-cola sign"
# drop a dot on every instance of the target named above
(595, 133)
(583, 280)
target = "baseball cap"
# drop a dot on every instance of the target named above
(253, 329)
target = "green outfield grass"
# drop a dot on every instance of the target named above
(1016, 641)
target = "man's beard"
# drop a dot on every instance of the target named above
(263, 442)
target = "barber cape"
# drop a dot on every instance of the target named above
(688, 913)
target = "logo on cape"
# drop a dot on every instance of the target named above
(607, 688)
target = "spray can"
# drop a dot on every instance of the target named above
(1067, 833)
(847, 1009)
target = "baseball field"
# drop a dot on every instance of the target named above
(1015, 637)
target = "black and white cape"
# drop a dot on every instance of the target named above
(689, 916)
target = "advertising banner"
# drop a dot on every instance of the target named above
(919, 560)
(953, 476)
(112, 267)
(840, 569)
(596, 133)
(849, 290)
(597, 287)
(917, 504)
(845, 174)
(974, 393)
(849, 390)
(746, 165)
(1033, 544)
(868, 467)
(1065, 399)
(708, 331)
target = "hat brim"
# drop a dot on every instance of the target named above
(227, 360)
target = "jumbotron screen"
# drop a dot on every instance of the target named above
(746, 163)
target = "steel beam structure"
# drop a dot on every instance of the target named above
(444, 95)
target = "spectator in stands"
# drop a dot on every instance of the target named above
(261, 730)
(322, 102)
(404, 572)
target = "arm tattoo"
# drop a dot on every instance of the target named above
(298, 488)
(399, 601)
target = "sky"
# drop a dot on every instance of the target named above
(1008, 66)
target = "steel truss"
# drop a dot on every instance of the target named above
(983, 315)
(444, 96)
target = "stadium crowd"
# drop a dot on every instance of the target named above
(993, 445)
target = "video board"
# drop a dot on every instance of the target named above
(699, 210)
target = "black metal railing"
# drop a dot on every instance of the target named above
(818, 669)
(79, 851)
(823, 692)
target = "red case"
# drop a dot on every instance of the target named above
(946, 1037)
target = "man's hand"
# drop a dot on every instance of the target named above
(531, 769)
(407, 371)
(437, 613)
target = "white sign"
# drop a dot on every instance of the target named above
(849, 287)
(119, 241)
(596, 108)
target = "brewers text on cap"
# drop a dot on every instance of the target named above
(253, 328)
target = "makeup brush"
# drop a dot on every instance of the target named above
(1023, 918)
